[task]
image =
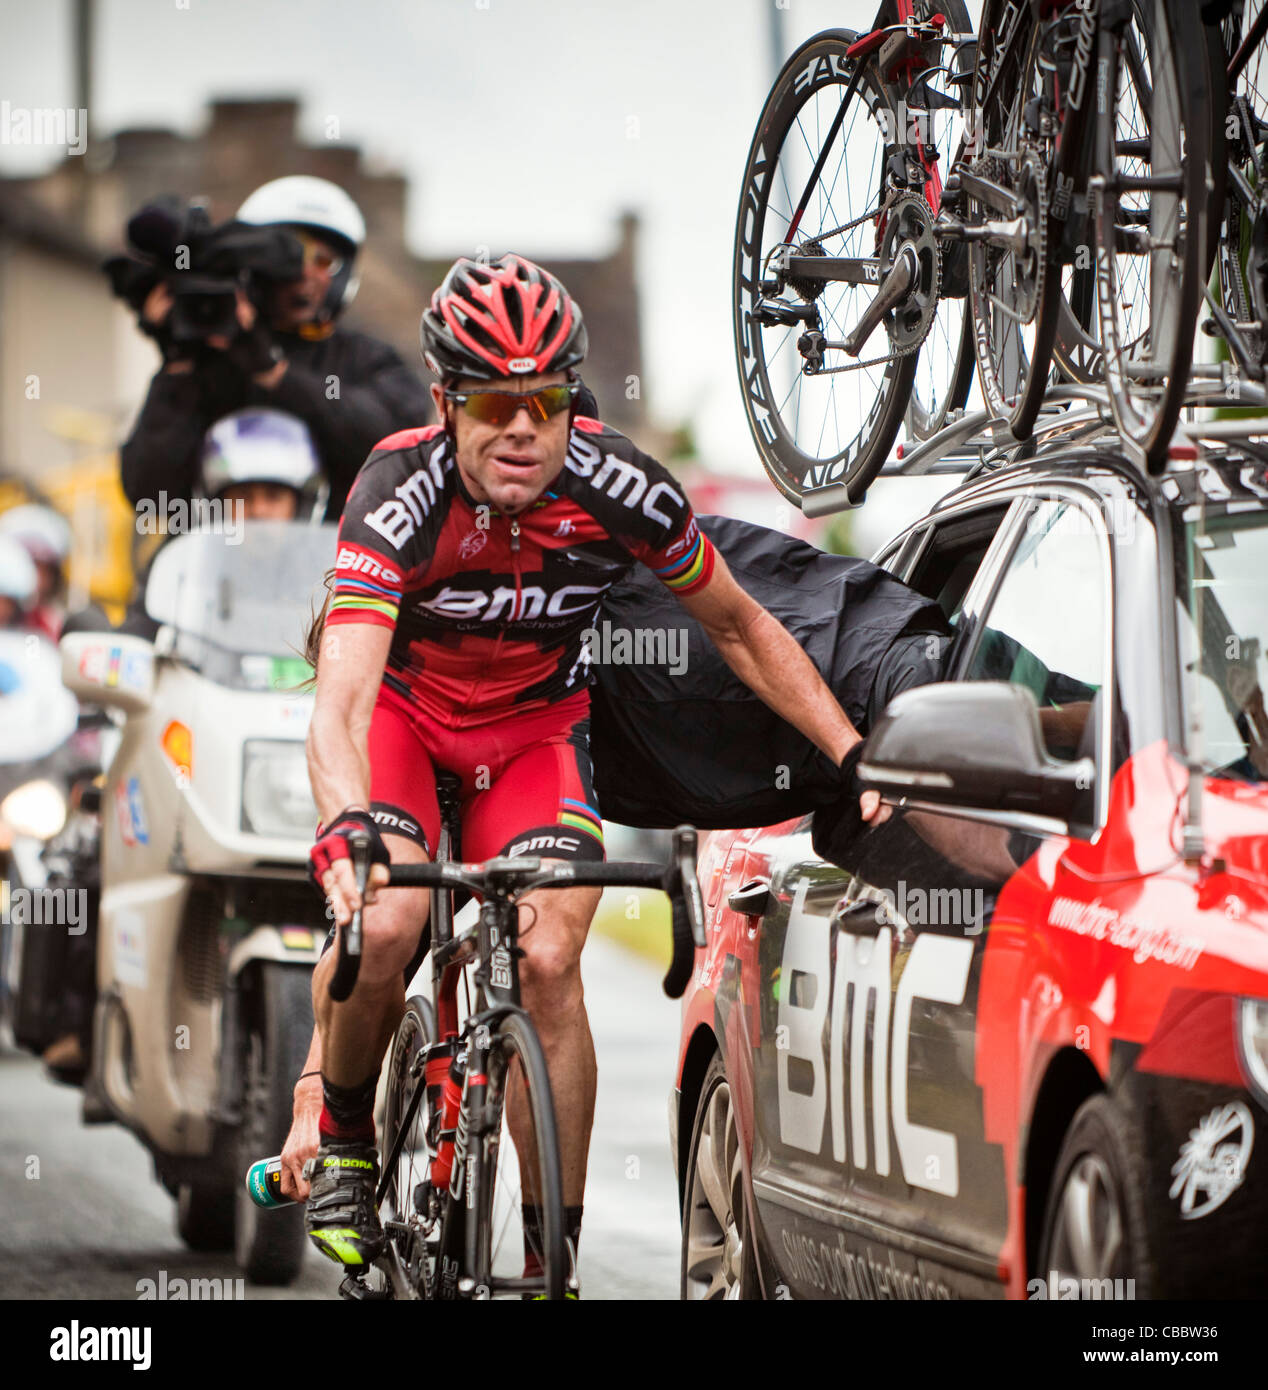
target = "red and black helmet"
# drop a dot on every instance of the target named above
(507, 318)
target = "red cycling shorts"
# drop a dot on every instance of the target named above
(526, 780)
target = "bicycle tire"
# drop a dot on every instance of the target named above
(946, 360)
(783, 445)
(1014, 375)
(1182, 146)
(514, 1038)
(1077, 349)
(1243, 242)
(414, 1033)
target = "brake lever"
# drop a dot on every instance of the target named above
(684, 852)
(348, 958)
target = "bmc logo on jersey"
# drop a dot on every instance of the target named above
(522, 364)
(623, 480)
(362, 562)
(537, 844)
(687, 540)
(506, 604)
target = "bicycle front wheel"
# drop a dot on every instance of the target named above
(818, 186)
(404, 1221)
(520, 1246)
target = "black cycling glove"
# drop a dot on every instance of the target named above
(332, 843)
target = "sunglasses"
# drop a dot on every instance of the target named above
(318, 255)
(501, 407)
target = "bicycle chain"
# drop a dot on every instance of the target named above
(902, 350)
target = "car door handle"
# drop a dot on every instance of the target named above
(858, 918)
(750, 899)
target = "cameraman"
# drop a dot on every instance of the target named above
(350, 389)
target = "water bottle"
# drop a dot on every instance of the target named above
(264, 1183)
(450, 1104)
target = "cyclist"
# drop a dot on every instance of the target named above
(472, 555)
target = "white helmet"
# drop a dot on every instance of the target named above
(258, 446)
(300, 200)
(18, 579)
(44, 533)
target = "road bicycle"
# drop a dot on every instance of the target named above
(919, 190)
(454, 1173)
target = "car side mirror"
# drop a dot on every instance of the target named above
(976, 746)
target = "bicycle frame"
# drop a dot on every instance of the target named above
(497, 984)
(459, 1271)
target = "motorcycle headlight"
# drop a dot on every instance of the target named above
(36, 808)
(1252, 1044)
(276, 797)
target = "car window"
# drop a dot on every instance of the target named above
(1046, 627)
(946, 567)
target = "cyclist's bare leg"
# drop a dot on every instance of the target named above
(550, 988)
(356, 1033)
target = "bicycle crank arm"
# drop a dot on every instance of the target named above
(847, 270)
(898, 285)
(992, 195)
(1011, 235)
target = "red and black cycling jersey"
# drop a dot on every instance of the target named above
(488, 611)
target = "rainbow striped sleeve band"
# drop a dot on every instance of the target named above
(580, 817)
(690, 571)
(356, 601)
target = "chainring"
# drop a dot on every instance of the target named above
(910, 222)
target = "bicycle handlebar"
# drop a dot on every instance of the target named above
(517, 876)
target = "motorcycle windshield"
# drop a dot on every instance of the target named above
(242, 600)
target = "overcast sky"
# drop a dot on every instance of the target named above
(519, 123)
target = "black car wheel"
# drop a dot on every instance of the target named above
(717, 1259)
(1094, 1225)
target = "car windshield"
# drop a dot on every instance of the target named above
(249, 594)
(1225, 617)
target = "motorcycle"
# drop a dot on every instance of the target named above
(38, 719)
(208, 928)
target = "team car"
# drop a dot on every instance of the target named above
(1017, 1045)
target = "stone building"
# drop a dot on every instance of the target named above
(83, 205)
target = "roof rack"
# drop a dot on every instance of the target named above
(1071, 414)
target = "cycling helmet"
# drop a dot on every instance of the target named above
(18, 579)
(258, 446)
(42, 532)
(508, 318)
(318, 206)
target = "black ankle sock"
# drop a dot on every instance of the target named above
(572, 1226)
(531, 1219)
(348, 1111)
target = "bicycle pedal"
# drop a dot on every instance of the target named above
(355, 1288)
